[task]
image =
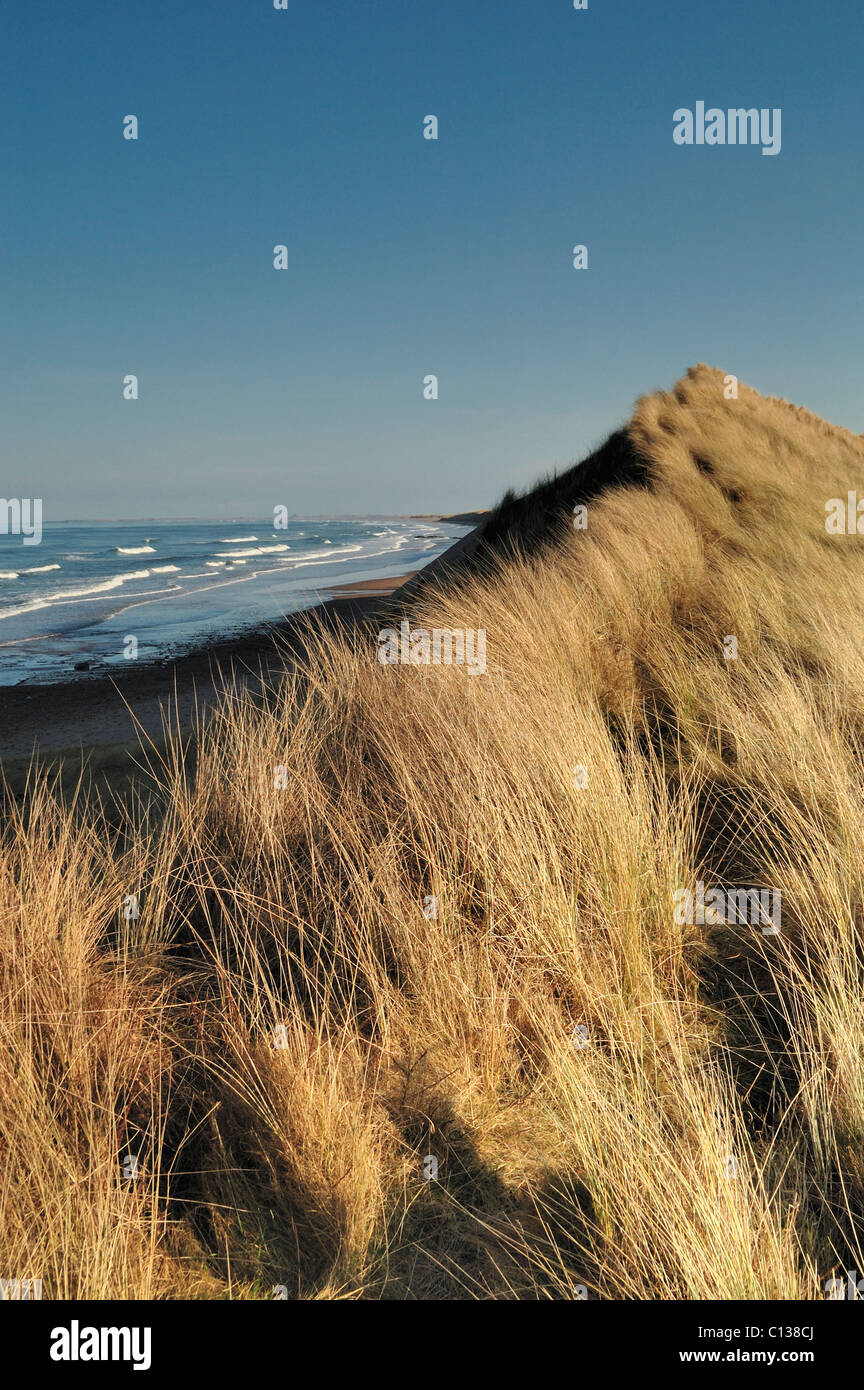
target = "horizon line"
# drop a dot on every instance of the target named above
(266, 521)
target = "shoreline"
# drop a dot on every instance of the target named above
(109, 707)
(101, 718)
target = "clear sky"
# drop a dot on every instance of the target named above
(406, 256)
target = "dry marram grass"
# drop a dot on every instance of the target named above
(294, 914)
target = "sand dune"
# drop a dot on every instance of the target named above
(414, 1003)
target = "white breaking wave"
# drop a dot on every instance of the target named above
(256, 550)
(67, 595)
(8, 574)
(334, 559)
(236, 540)
(343, 550)
(164, 569)
(135, 549)
(40, 569)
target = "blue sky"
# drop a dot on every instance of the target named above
(304, 387)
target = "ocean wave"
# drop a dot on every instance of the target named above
(135, 549)
(335, 558)
(67, 595)
(9, 574)
(236, 540)
(343, 550)
(257, 550)
(40, 569)
(164, 569)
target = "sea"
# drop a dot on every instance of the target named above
(89, 587)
